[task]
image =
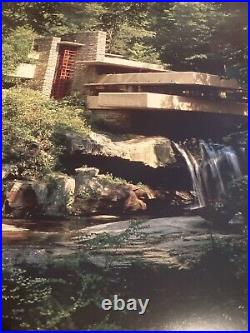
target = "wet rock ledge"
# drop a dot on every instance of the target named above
(103, 174)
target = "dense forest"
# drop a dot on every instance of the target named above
(207, 37)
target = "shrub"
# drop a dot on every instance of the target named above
(16, 47)
(32, 126)
(238, 195)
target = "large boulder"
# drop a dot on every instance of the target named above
(32, 198)
(60, 196)
(20, 199)
(154, 151)
(96, 193)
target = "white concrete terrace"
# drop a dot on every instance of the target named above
(124, 63)
(166, 78)
(152, 101)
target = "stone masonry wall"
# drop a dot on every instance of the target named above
(94, 45)
(93, 50)
(47, 48)
(83, 74)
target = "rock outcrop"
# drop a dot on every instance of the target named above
(90, 189)
(19, 199)
(88, 193)
(154, 151)
(96, 193)
(175, 242)
(33, 198)
(60, 196)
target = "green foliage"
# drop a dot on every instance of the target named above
(109, 178)
(32, 128)
(238, 196)
(109, 244)
(51, 17)
(127, 25)
(81, 16)
(39, 16)
(185, 33)
(15, 49)
(142, 52)
(231, 38)
(106, 240)
(230, 253)
(33, 298)
(209, 37)
(236, 201)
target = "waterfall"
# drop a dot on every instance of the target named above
(210, 174)
(195, 174)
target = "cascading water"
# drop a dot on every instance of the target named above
(217, 165)
(194, 170)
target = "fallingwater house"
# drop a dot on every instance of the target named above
(126, 95)
(56, 271)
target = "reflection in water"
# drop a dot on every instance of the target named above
(46, 285)
(202, 323)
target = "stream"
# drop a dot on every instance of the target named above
(56, 273)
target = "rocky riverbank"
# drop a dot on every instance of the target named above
(88, 188)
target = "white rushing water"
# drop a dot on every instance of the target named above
(193, 168)
(217, 166)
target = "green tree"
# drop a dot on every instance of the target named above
(231, 34)
(209, 37)
(51, 17)
(128, 27)
(39, 16)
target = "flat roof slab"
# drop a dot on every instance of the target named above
(125, 63)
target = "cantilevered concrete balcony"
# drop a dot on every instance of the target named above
(117, 62)
(152, 101)
(166, 78)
